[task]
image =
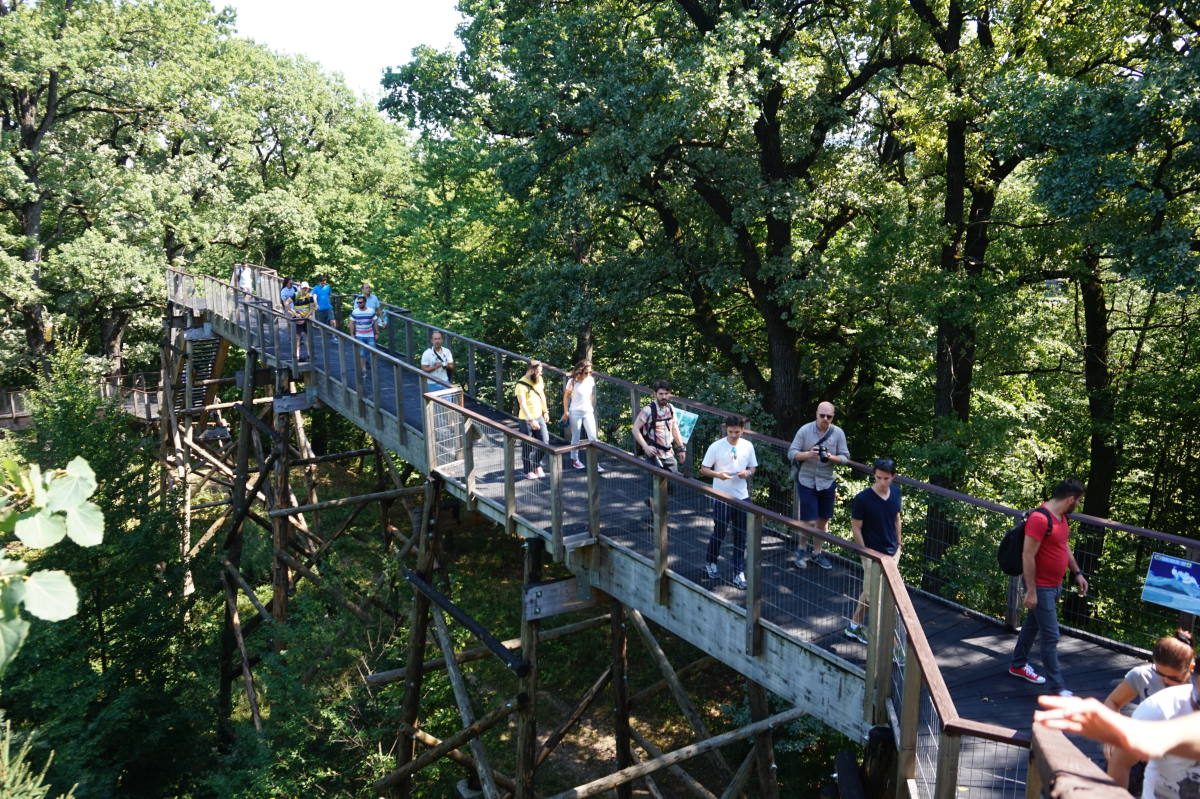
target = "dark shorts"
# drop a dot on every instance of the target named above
(813, 504)
(325, 316)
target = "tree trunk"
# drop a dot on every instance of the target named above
(1104, 450)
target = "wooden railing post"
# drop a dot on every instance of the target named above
(910, 718)
(662, 544)
(469, 438)
(593, 490)
(556, 506)
(430, 434)
(949, 749)
(408, 338)
(510, 484)
(1012, 604)
(471, 369)
(499, 399)
(754, 528)
(881, 637)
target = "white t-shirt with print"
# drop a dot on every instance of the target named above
(722, 456)
(1169, 777)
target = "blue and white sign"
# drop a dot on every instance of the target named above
(687, 423)
(1173, 583)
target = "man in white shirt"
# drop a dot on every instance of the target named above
(437, 361)
(730, 462)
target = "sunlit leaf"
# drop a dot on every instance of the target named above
(41, 528)
(85, 524)
(66, 491)
(50, 595)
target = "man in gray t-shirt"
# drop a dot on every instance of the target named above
(815, 449)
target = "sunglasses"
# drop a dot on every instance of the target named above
(825, 415)
(1173, 679)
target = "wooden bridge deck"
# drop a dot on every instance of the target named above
(804, 656)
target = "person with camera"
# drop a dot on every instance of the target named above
(816, 448)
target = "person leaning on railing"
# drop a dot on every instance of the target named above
(1164, 730)
(1171, 664)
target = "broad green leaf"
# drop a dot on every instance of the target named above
(50, 595)
(85, 524)
(10, 567)
(79, 467)
(11, 471)
(65, 491)
(41, 528)
(12, 635)
(8, 519)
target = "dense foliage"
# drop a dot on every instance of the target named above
(973, 226)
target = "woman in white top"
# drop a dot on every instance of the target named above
(1171, 664)
(579, 405)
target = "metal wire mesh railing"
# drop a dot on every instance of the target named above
(949, 538)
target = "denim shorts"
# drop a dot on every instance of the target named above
(815, 503)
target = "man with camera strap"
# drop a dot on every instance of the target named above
(815, 449)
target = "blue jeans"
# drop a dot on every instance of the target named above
(724, 517)
(531, 457)
(1042, 623)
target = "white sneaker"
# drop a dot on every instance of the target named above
(577, 464)
(531, 475)
(801, 559)
(1065, 692)
(541, 472)
(710, 569)
(740, 580)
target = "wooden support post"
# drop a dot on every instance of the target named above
(418, 631)
(280, 579)
(556, 737)
(248, 590)
(678, 692)
(662, 547)
(527, 720)
(754, 583)
(621, 696)
(764, 747)
(247, 677)
(910, 718)
(624, 776)
(742, 775)
(463, 700)
(688, 780)
(240, 504)
(464, 759)
(403, 775)
(360, 499)
(431, 434)
(470, 436)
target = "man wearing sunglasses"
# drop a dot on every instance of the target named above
(815, 449)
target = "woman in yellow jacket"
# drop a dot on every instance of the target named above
(534, 414)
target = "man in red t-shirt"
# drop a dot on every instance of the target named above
(1045, 558)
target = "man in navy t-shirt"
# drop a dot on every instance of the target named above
(875, 522)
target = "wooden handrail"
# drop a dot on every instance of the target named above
(1058, 770)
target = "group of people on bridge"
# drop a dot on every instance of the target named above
(1168, 688)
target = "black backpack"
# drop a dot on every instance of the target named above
(1008, 554)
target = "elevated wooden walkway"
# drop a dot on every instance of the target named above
(932, 672)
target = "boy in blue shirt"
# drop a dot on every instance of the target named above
(322, 292)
